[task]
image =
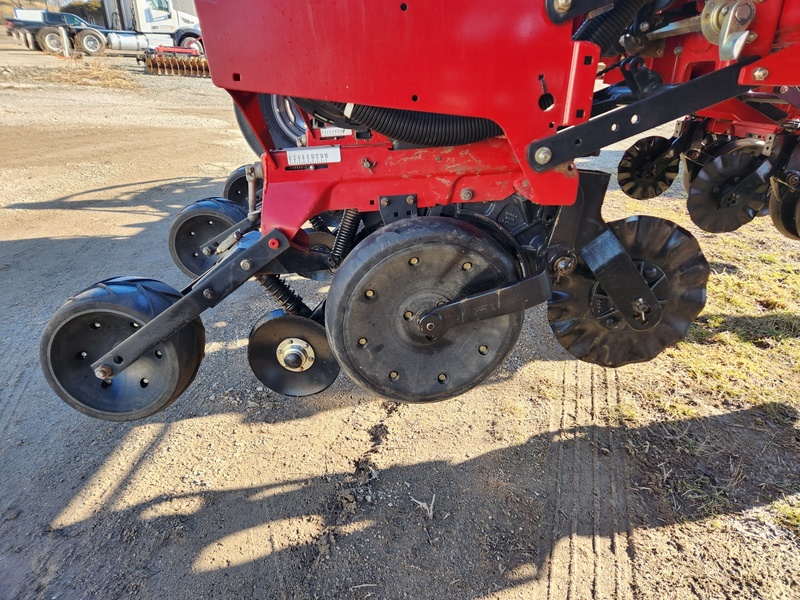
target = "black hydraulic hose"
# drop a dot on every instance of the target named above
(606, 29)
(423, 128)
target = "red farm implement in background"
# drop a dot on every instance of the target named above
(421, 156)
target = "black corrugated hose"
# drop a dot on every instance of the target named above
(423, 128)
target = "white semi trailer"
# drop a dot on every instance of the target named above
(152, 23)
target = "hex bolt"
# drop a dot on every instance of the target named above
(409, 199)
(466, 194)
(751, 37)
(208, 293)
(413, 261)
(484, 350)
(784, 89)
(207, 251)
(644, 26)
(367, 164)
(369, 294)
(467, 266)
(543, 155)
(384, 202)
(103, 371)
(760, 74)
(246, 265)
(393, 375)
(562, 6)
(743, 13)
(793, 179)
(362, 342)
(442, 377)
(408, 315)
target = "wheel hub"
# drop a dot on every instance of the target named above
(295, 355)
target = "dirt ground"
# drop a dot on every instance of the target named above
(554, 479)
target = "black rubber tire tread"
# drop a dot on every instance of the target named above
(135, 298)
(224, 212)
(278, 136)
(40, 39)
(80, 42)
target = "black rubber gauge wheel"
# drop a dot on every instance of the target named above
(92, 323)
(394, 277)
(587, 323)
(194, 226)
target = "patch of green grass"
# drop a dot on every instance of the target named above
(788, 516)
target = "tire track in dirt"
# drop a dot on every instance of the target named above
(584, 551)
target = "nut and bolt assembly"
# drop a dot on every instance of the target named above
(543, 155)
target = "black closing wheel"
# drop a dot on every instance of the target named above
(717, 203)
(784, 209)
(394, 277)
(588, 325)
(97, 319)
(641, 175)
(290, 355)
(194, 226)
(235, 188)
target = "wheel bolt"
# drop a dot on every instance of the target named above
(483, 350)
(369, 294)
(408, 315)
(414, 261)
(208, 293)
(467, 266)
(362, 342)
(393, 375)
(442, 377)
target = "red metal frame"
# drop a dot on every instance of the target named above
(501, 61)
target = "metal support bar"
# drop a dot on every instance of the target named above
(225, 240)
(208, 291)
(672, 102)
(621, 280)
(487, 305)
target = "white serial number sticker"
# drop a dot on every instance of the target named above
(332, 132)
(313, 156)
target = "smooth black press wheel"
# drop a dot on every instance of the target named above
(194, 226)
(97, 319)
(394, 277)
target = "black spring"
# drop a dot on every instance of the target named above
(318, 223)
(290, 301)
(346, 234)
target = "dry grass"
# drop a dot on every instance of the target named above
(745, 347)
(96, 72)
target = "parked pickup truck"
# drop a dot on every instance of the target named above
(86, 37)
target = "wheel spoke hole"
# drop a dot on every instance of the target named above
(118, 360)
